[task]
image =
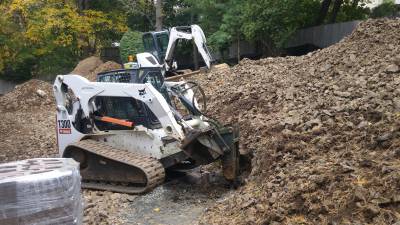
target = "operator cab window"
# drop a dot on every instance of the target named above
(154, 78)
(162, 41)
(124, 108)
(148, 42)
(149, 45)
(116, 77)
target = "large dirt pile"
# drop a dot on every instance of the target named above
(324, 130)
(27, 128)
(91, 66)
(87, 66)
(30, 95)
(107, 66)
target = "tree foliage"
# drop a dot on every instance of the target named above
(269, 23)
(131, 44)
(49, 36)
(386, 9)
(332, 11)
(140, 14)
(351, 11)
(273, 22)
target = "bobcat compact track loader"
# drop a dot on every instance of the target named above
(124, 135)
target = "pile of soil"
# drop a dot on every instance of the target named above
(27, 125)
(91, 66)
(324, 131)
(87, 66)
(107, 66)
(31, 95)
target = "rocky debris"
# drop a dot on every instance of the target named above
(31, 95)
(27, 134)
(87, 66)
(103, 208)
(41, 93)
(393, 68)
(27, 128)
(324, 131)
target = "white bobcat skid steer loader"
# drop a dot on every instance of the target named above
(124, 135)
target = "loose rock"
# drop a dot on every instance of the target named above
(322, 132)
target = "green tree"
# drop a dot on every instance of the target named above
(220, 41)
(48, 36)
(271, 23)
(208, 13)
(140, 14)
(386, 9)
(131, 44)
(332, 11)
(351, 11)
(268, 22)
(232, 23)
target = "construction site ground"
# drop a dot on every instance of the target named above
(323, 131)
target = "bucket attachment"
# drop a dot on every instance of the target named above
(206, 146)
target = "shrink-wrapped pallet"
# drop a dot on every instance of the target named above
(40, 191)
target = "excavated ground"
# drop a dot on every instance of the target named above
(323, 130)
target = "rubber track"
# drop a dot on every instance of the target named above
(153, 169)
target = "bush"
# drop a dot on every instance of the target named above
(131, 43)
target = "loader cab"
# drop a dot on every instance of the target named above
(138, 112)
(125, 108)
(156, 43)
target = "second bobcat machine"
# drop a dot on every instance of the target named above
(125, 135)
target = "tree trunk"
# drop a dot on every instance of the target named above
(323, 12)
(335, 11)
(159, 16)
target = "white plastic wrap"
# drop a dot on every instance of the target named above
(40, 192)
